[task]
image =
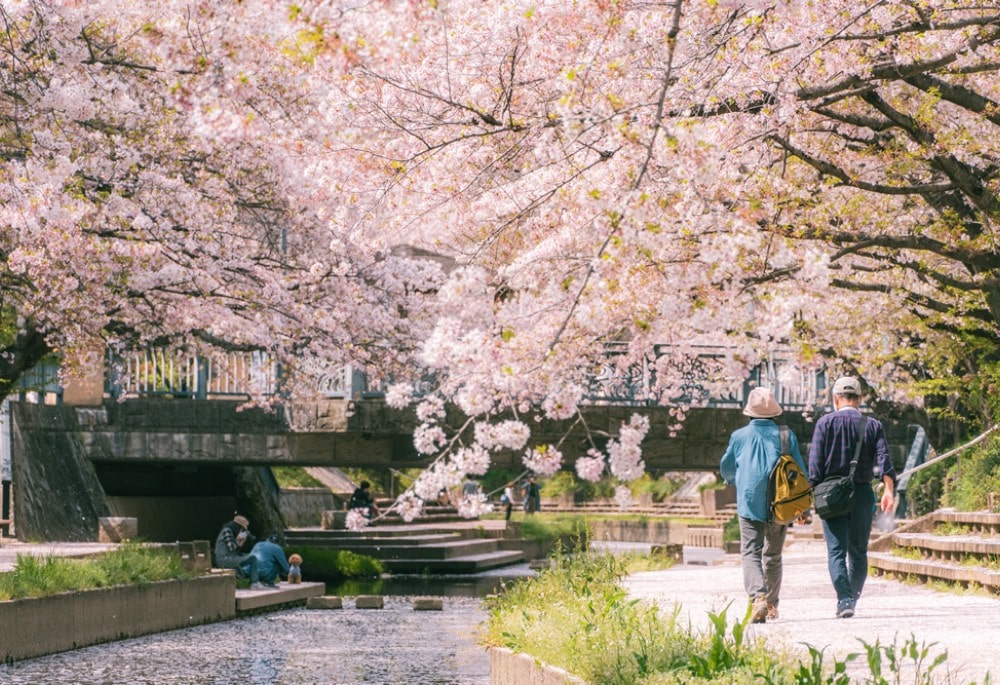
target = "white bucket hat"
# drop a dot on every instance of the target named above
(762, 405)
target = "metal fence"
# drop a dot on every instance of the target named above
(705, 379)
(702, 377)
(162, 372)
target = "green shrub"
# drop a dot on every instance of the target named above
(329, 564)
(731, 529)
(561, 483)
(963, 482)
(659, 488)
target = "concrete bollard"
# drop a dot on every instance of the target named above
(671, 551)
(369, 602)
(428, 604)
(195, 555)
(325, 603)
(117, 528)
(333, 520)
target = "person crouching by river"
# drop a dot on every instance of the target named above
(232, 550)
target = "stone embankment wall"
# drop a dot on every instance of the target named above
(34, 627)
(653, 531)
(304, 507)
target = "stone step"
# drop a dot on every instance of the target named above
(982, 522)
(950, 547)
(389, 551)
(361, 540)
(473, 563)
(884, 562)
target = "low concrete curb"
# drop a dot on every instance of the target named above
(45, 625)
(510, 668)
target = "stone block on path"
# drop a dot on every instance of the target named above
(369, 602)
(428, 604)
(117, 528)
(325, 603)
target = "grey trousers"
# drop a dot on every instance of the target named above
(760, 548)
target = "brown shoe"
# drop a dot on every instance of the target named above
(772, 612)
(759, 612)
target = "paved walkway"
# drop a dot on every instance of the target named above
(889, 611)
(9, 549)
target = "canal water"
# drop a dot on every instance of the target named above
(389, 646)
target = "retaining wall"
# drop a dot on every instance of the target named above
(45, 625)
(654, 531)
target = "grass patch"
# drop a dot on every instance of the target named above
(987, 561)
(576, 616)
(130, 564)
(551, 527)
(294, 477)
(951, 528)
(912, 553)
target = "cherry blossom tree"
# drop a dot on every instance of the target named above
(646, 178)
(147, 197)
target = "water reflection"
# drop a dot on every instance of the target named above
(295, 647)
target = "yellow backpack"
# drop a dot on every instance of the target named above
(791, 495)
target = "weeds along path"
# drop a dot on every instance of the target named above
(890, 612)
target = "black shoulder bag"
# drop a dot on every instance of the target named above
(834, 495)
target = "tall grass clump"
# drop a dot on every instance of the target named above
(576, 616)
(552, 527)
(131, 563)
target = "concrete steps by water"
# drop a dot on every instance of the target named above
(417, 550)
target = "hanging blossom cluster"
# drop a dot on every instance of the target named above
(399, 395)
(474, 460)
(591, 467)
(409, 506)
(625, 454)
(474, 506)
(544, 460)
(563, 404)
(505, 434)
(355, 519)
(623, 497)
(429, 438)
(437, 478)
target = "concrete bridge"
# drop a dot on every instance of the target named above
(197, 456)
(337, 433)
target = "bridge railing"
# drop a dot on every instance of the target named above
(702, 377)
(164, 372)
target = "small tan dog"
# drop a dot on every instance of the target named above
(294, 569)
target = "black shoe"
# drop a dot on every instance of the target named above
(845, 609)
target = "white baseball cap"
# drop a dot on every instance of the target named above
(847, 385)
